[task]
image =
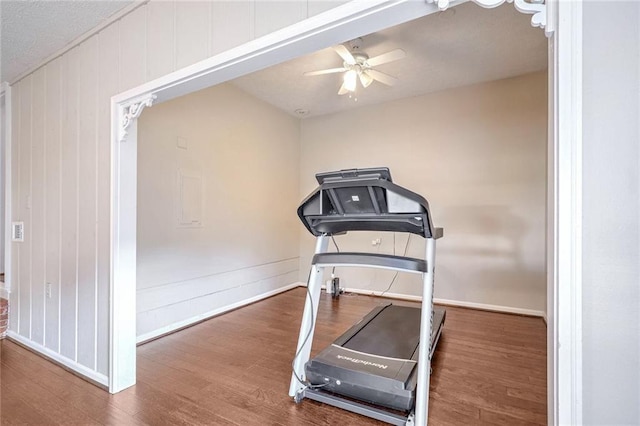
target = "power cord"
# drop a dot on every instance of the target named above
(406, 246)
(333, 271)
(335, 244)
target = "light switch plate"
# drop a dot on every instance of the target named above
(17, 232)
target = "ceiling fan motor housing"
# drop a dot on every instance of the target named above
(361, 62)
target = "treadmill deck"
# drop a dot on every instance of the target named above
(376, 359)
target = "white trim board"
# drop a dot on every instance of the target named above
(56, 358)
(566, 285)
(449, 302)
(144, 338)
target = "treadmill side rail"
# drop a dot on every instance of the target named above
(307, 328)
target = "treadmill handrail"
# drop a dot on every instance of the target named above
(408, 264)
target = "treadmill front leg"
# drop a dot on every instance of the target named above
(308, 325)
(426, 324)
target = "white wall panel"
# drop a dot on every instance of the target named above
(167, 316)
(161, 39)
(274, 15)
(193, 29)
(24, 183)
(87, 198)
(133, 45)
(69, 201)
(5, 116)
(61, 161)
(231, 24)
(611, 214)
(37, 207)
(318, 6)
(52, 201)
(108, 45)
(153, 298)
(14, 317)
(15, 211)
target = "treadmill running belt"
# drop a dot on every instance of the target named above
(393, 333)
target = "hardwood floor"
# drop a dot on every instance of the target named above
(489, 368)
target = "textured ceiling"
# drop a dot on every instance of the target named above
(464, 45)
(32, 30)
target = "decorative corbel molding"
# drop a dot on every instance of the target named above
(131, 112)
(537, 8)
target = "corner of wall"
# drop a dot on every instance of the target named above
(4, 313)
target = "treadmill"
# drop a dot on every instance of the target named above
(377, 365)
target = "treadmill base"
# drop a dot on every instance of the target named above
(376, 360)
(356, 407)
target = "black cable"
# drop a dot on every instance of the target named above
(394, 243)
(406, 246)
(335, 244)
(333, 271)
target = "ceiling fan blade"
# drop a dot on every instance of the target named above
(365, 79)
(345, 54)
(391, 56)
(343, 89)
(382, 77)
(327, 71)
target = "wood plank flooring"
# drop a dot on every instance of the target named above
(489, 368)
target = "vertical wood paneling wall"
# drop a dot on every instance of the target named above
(60, 160)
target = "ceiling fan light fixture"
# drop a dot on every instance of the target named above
(365, 79)
(350, 80)
(357, 65)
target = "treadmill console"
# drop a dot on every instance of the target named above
(364, 200)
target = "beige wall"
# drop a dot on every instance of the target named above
(478, 154)
(242, 155)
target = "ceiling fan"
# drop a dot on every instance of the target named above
(358, 66)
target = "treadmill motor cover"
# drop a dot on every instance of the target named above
(375, 360)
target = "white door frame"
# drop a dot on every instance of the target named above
(564, 279)
(563, 23)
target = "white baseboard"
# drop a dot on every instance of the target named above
(198, 318)
(64, 362)
(492, 308)
(457, 303)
